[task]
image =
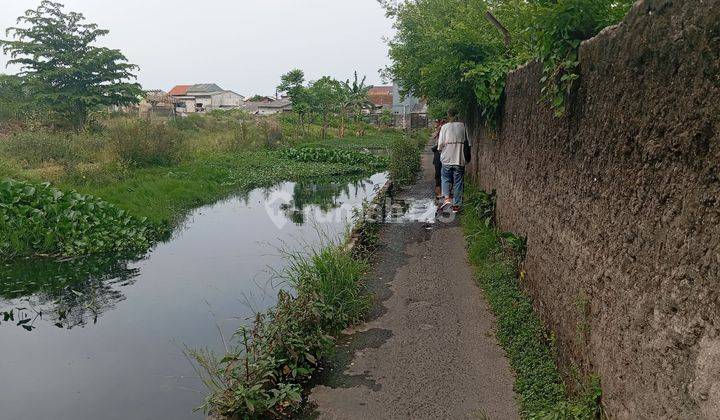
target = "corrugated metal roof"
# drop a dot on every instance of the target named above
(205, 88)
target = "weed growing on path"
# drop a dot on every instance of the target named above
(541, 390)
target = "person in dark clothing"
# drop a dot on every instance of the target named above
(436, 159)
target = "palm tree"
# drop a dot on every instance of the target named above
(354, 100)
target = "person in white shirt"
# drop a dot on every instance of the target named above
(451, 144)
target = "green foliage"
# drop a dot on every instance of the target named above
(62, 68)
(558, 29)
(342, 156)
(354, 99)
(541, 391)
(256, 98)
(14, 99)
(161, 170)
(405, 158)
(386, 118)
(450, 52)
(326, 99)
(37, 219)
(144, 142)
(261, 375)
(32, 148)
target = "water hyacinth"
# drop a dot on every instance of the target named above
(326, 155)
(36, 219)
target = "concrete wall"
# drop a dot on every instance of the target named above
(620, 201)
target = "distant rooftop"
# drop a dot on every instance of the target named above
(179, 90)
(204, 88)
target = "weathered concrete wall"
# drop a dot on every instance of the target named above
(620, 201)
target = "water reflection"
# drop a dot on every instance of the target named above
(75, 292)
(321, 196)
(103, 337)
(67, 294)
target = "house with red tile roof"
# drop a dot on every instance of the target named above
(381, 96)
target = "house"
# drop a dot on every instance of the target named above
(204, 97)
(381, 96)
(156, 102)
(267, 108)
(404, 106)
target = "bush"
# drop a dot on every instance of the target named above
(36, 219)
(405, 159)
(145, 143)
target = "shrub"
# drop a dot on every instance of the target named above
(192, 122)
(145, 143)
(36, 219)
(405, 159)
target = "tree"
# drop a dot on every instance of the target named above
(61, 67)
(257, 98)
(292, 83)
(325, 99)
(459, 51)
(13, 98)
(354, 100)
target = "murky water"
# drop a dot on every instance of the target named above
(104, 339)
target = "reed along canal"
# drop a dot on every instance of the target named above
(102, 338)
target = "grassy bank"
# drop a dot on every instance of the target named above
(496, 256)
(267, 363)
(156, 171)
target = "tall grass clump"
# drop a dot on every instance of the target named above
(144, 142)
(496, 255)
(36, 219)
(404, 162)
(262, 373)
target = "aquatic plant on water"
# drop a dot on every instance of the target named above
(36, 219)
(326, 155)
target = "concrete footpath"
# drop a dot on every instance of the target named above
(428, 351)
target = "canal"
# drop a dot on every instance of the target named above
(103, 338)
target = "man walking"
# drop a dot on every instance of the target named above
(451, 144)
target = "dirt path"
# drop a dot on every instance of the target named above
(428, 350)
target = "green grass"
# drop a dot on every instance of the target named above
(164, 194)
(541, 391)
(262, 373)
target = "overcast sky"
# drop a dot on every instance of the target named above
(242, 45)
